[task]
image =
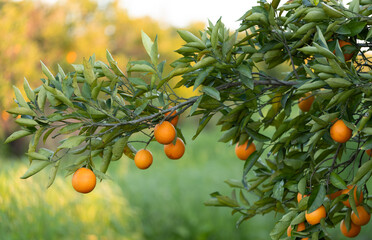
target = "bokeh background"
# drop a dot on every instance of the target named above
(163, 202)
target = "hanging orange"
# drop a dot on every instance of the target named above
(175, 151)
(353, 231)
(305, 103)
(164, 132)
(357, 201)
(174, 120)
(244, 151)
(340, 132)
(143, 159)
(315, 216)
(84, 180)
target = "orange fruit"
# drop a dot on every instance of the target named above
(369, 152)
(305, 103)
(244, 151)
(363, 218)
(353, 231)
(164, 132)
(71, 57)
(347, 56)
(357, 201)
(143, 159)
(340, 132)
(175, 151)
(343, 43)
(84, 180)
(174, 120)
(334, 195)
(300, 197)
(315, 216)
(300, 228)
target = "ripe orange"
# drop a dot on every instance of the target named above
(71, 57)
(315, 217)
(175, 151)
(305, 103)
(334, 195)
(243, 151)
(300, 228)
(84, 180)
(343, 43)
(340, 132)
(300, 197)
(347, 56)
(357, 201)
(353, 231)
(363, 218)
(143, 159)
(369, 152)
(174, 121)
(164, 132)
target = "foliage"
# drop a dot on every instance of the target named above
(62, 33)
(104, 106)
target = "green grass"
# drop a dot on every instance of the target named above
(162, 202)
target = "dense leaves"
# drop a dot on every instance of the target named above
(98, 107)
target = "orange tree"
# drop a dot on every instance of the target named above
(316, 156)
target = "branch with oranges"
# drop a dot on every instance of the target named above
(304, 133)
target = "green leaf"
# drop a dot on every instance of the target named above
(72, 142)
(29, 92)
(202, 123)
(338, 82)
(41, 97)
(202, 76)
(118, 148)
(17, 135)
(302, 185)
(36, 166)
(214, 35)
(278, 190)
(53, 174)
(316, 198)
(21, 101)
(228, 135)
(257, 136)
(138, 81)
(246, 75)
(37, 156)
(151, 47)
(140, 68)
(191, 38)
(362, 171)
(337, 181)
(211, 91)
(195, 105)
(21, 111)
(47, 72)
(226, 201)
(88, 72)
(70, 128)
(26, 122)
(281, 226)
(249, 163)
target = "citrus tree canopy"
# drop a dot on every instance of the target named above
(305, 135)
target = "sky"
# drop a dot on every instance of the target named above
(182, 13)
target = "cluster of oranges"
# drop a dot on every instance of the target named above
(84, 179)
(164, 133)
(358, 219)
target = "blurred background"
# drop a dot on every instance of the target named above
(163, 202)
